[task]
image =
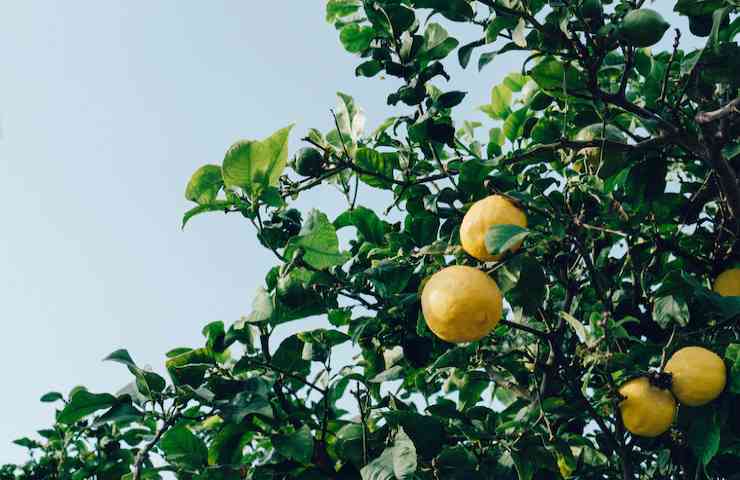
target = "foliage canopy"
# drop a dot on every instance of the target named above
(626, 232)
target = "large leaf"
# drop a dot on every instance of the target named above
(183, 448)
(366, 221)
(427, 433)
(376, 167)
(318, 241)
(455, 10)
(83, 403)
(204, 185)
(732, 354)
(404, 456)
(704, 436)
(255, 165)
(356, 38)
(669, 310)
(499, 108)
(296, 446)
(553, 75)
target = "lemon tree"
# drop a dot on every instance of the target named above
(505, 313)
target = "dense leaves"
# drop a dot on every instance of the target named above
(625, 236)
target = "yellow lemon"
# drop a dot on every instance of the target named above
(647, 411)
(485, 213)
(727, 283)
(699, 375)
(461, 304)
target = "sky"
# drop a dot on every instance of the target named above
(106, 108)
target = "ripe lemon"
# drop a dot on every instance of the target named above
(647, 411)
(461, 304)
(485, 213)
(727, 283)
(699, 375)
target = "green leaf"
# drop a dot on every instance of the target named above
(732, 354)
(366, 221)
(498, 24)
(204, 185)
(458, 357)
(296, 446)
(530, 289)
(514, 123)
(393, 373)
(404, 456)
(380, 468)
(337, 9)
(500, 102)
(318, 241)
(577, 326)
(450, 99)
(263, 307)
(437, 42)
(552, 75)
(356, 38)
(465, 52)
(122, 412)
(669, 310)
(704, 436)
(455, 10)
(51, 397)
(427, 432)
(215, 206)
(525, 469)
(288, 357)
(182, 448)
(378, 167)
(82, 403)
(255, 165)
(501, 238)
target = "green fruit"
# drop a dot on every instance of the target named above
(308, 162)
(643, 27)
(291, 292)
(591, 9)
(701, 26)
(612, 158)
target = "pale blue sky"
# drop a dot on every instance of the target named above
(106, 108)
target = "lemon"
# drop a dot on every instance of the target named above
(485, 213)
(647, 411)
(643, 27)
(727, 283)
(308, 162)
(699, 375)
(461, 304)
(613, 158)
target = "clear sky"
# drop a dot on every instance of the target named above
(106, 108)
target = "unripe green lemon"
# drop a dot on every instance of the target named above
(591, 9)
(308, 162)
(291, 291)
(643, 27)
(613, 158)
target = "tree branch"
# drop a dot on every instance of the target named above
(729, 109)
(144, 452)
